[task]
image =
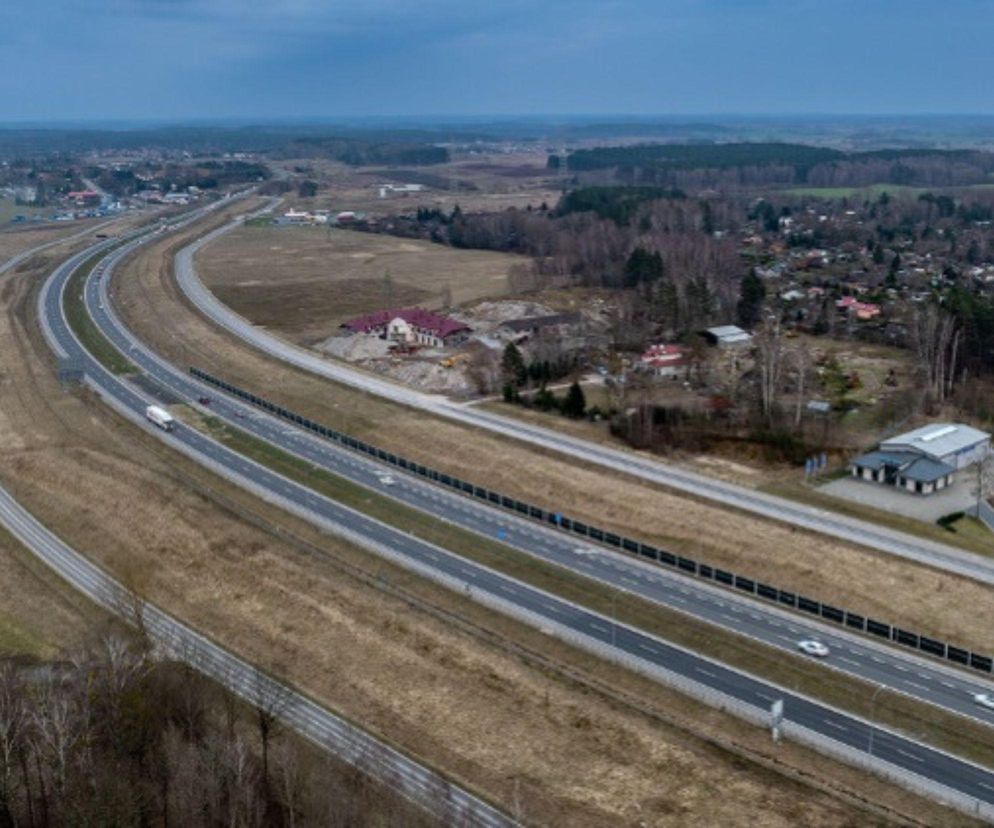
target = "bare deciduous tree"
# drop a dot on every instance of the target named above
(937, 339)
(769, 367)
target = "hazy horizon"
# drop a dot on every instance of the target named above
(182, 60)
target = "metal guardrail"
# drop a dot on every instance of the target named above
(843, 617)
(985, 514)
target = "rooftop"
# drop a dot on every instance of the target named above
(938, 439)
(912, 466)
(437, 324)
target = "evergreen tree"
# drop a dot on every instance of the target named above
(752, 292)
(575, 403)
(643, 267)
(513, 366)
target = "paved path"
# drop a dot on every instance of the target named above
(649, 469)
(904, 759)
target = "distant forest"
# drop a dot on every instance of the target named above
(694, 166)
(390, 147)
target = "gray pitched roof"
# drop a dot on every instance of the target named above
(937, 439)
(877, 459)
(910, 465)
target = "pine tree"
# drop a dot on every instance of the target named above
(575, 403)
(752, 292)
(513, 366)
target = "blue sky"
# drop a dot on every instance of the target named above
(175, 59)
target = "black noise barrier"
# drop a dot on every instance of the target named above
(688, 566)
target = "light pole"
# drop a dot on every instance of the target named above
(873, 700)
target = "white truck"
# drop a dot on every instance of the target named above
(162, 418)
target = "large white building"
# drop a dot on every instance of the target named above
(924, 460)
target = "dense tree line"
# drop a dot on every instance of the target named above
(737, 165)
(619, 204)
(115, 737)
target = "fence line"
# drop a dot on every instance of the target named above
(689, 566)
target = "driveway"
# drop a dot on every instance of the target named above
(928, 508)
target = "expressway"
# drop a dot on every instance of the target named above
(655, 471)
(413, 780)
(880, 664)
(416, 782)
(916, 765)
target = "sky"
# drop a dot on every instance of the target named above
(287, 59)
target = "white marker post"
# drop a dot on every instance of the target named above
(776, 718)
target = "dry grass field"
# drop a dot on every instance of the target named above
(40, 617)
(305, 281)
(907, 594)
(567, 754)
(487, 183)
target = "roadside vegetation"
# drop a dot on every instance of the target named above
(500, 706)
(83, 325)
(931, 724)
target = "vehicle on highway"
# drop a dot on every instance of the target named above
(812, 647)
(204, 400)
(984, 700)
(162, 418)
(387, 480)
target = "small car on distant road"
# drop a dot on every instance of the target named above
(204, 400)
(812, 647)
(984, 700)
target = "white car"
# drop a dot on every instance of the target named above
(812, 647)
(984, 700)
(387, 480)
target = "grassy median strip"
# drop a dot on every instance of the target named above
(921, 721)
(84, 327)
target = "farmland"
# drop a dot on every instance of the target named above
(304, 281)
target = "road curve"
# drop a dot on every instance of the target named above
(652, 470)
(911, 763)
(899, 670)
(411, 779)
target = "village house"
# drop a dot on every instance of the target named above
(662, 361)
(411, 326)
(861, 310)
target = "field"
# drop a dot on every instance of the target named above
(475, 183)
(40, 617)
(305, 281)
(425, 667)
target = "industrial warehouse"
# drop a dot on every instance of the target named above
(925, 460)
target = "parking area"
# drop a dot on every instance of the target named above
(928, 508)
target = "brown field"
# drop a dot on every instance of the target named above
(40, 617)
(568, 754)
(902, 592)
(487, 183)
(305, 281)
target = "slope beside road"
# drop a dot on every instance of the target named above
(915, 765)
(651, 470)
(869, 660)
(412, 779)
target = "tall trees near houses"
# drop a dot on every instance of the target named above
(768, 343)
(936, 336)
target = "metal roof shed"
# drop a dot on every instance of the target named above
(953, 443)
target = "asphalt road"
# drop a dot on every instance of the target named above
(881, 664)
(413, 780)
(918, 764)
(656, 471)
(418, 783)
